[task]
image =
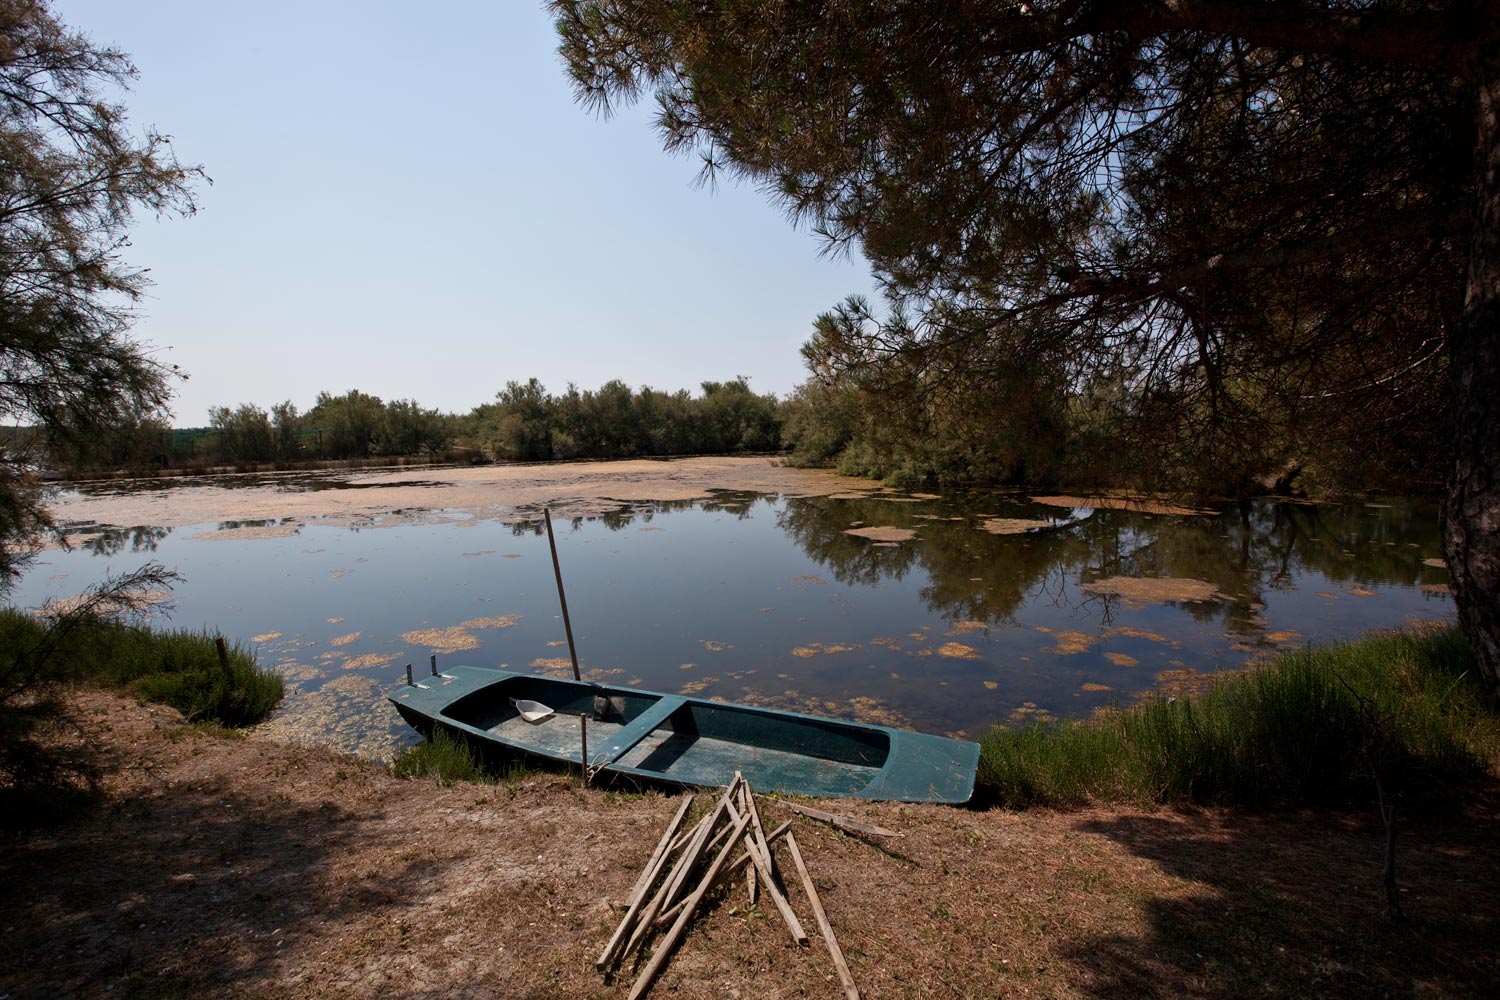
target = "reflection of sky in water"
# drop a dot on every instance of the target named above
(769, 600)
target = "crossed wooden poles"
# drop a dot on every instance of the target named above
(666, 896)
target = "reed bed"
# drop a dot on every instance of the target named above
(1312, 727)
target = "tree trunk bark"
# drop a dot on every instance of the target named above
(1471, 515)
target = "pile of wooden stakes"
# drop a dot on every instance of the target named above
(665, 895)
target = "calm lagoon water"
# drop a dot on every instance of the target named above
(767, 599)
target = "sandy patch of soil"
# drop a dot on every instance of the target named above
(883, 533)
(1154, 590)
(456, 495)
(1139, 505)
(230, 868)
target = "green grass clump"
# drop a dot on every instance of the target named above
(174, 667)
(1306, 729)
(442, 757)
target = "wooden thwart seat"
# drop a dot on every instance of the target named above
(637, 729)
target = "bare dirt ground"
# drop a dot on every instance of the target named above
(218, 867)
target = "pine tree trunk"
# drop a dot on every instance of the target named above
(1471, 516)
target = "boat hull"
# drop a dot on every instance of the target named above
(680, 740)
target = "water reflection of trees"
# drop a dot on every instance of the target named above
(629, 513)
(1244, 551)
(110, 541)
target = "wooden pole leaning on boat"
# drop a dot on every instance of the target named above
(561, 597)
(642, 884)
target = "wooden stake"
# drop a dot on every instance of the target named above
(752, 883)
(642, 884)
(663, 898)
(841, 822)
(743, 861)
(434, 665)
(772, 889)
(583, 739)
(223, 652)
(824, 927)
(561, 597)
(659, 957)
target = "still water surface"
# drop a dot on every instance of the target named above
(768, 599)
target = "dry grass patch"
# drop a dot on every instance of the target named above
(224, 869)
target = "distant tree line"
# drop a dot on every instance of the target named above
(525, 423)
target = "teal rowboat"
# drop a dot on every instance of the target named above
(689, 741)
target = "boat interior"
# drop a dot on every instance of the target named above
(680, 739)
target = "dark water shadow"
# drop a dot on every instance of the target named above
(1292, 906)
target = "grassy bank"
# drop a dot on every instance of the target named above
(50, 764)
(1311, 728)
(174, 667)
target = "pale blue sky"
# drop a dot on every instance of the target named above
(407, 201)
